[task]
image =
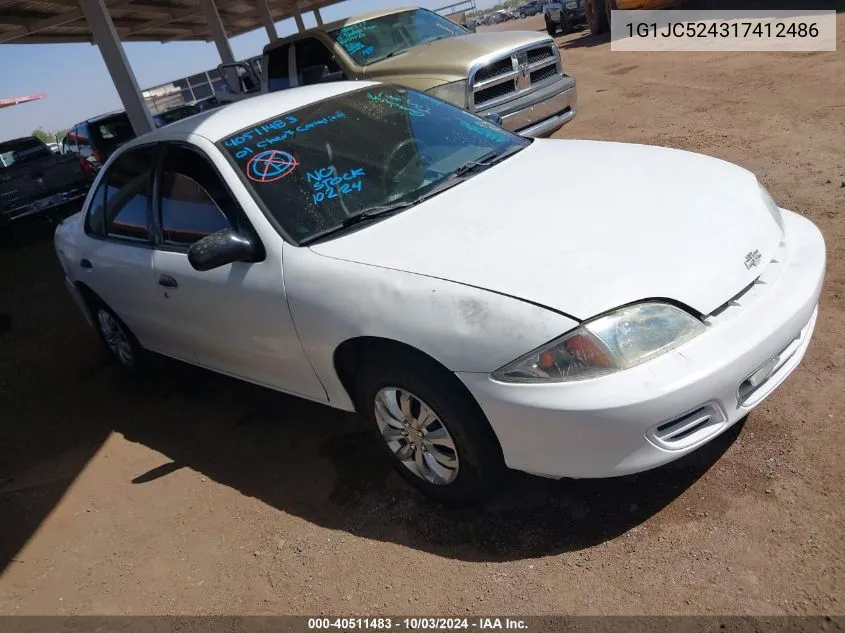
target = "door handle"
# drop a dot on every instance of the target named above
(167, 281)
(84, 263)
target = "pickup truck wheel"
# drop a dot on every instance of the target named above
(596, 16)
(551, 28)
(432, 430)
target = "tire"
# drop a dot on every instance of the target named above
(454, 476)
(551, 28)
(118, 339)
(596, 16)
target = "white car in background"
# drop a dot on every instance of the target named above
(373, 248)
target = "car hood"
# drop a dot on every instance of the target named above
(451, 58)
(583, 227)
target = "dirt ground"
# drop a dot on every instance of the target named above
(190, 493)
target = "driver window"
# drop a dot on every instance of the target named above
(278, 68)
(192, 200)
(311, 54)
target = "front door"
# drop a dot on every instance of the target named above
(235, 318)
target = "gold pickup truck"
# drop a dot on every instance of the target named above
(514, 77)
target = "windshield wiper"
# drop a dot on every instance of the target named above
(398, 51)
(487, 160)
(373, 213)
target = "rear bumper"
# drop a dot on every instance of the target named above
(654, 413)
(44, 205)
(542, 112)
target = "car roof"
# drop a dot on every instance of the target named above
(103, 117)
(331, 26)
(226, 120)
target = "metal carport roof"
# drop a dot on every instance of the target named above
(55, 21)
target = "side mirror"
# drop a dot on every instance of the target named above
(219, 249)
(494, 117)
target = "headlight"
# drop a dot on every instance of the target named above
(619, 340)
(455, 92)
(772, 206)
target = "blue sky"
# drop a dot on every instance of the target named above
(78, 85)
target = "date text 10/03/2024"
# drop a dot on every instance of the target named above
(417, 624)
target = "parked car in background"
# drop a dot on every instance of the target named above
(54, 147)
(529, 8)
(564, 15)
(94, 140)
(516, 76)
(475, 322)
(177, 113)
(35, 181)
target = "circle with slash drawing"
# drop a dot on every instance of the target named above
(270, 166)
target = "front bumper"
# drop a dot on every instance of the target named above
(654, 413)
(542, 112)
(573, 16)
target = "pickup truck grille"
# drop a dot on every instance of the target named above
(520, 72)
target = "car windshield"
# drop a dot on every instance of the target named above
(373, 40)
(376, 149)
(22, 150)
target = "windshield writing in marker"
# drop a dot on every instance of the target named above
(399, 102)
(326, 183)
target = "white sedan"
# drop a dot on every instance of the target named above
(565, 308)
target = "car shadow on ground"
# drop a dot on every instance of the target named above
(584, 39)
(324, 466)
(63, 397)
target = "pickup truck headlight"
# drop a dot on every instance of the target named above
(455, 92)
(613, 342)
(772, 207)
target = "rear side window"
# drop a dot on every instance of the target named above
(193, 198)
(109, 134)
(127, 197)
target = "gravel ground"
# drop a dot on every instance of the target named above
(191, 493)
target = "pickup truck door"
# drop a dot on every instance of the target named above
(235, 318)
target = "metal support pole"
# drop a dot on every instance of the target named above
(300, 25)
(105, 36)
(218, 33)
(267, 20)
(318, 17)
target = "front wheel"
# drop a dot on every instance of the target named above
(434, 433)
(551, 28)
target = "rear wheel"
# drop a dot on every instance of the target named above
(117, 337)
(432, 430)
(596, 16)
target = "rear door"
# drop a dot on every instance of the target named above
(235, 318)
(119, 262)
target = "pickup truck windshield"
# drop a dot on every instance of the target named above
(22, 150)
(360, 153)
(373, 40)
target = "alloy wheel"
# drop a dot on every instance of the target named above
(415, 434)
(116, 338)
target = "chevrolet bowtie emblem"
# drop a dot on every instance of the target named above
(752, 259)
